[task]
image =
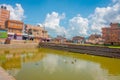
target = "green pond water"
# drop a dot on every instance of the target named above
(47, 64)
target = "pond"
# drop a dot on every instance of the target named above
(48, 64)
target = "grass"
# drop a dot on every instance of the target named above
(101, 45)
(114, 47)
(98, 45)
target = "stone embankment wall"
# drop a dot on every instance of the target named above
(23, 45)
(92, 50)
(5, 76)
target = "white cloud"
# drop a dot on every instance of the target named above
(101, 17)
(50, 63)
(52, 23)
(104, 16)
(16, 13)
(114, 1)
(78, 26)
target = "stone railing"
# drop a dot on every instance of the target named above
(93, 50)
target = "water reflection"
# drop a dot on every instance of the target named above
(51, 65)
(81, 69)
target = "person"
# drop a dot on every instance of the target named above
(7, 40)
(15, 36)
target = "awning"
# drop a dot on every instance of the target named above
(19, 34)
(9, 33)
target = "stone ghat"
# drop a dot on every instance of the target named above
(92, 50)
(18, 45)
(5, 76)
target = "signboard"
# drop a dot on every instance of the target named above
(3, 34)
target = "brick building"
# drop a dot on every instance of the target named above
(59, 39)
(95, 39)
(14, 28)
(78, 39)
(111, 35)
(4, 16)
(35, 32)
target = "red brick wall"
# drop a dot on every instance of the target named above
(14, 26)
(111, 34)
(4, 16)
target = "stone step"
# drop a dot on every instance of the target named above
(4, 75)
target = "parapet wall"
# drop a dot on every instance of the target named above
(92, 50)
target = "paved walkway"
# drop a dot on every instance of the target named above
(19, 45)
(4, 75)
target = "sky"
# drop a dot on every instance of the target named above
(67, 18)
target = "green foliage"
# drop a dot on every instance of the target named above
(3, 34)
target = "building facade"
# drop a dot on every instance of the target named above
(17, 30)
(59, 39)
(14, 28)
(4, 16)
(111, 35)
(95, 39)
(35, 32)
(78, 39)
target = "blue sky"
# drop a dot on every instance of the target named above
(37, 11)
